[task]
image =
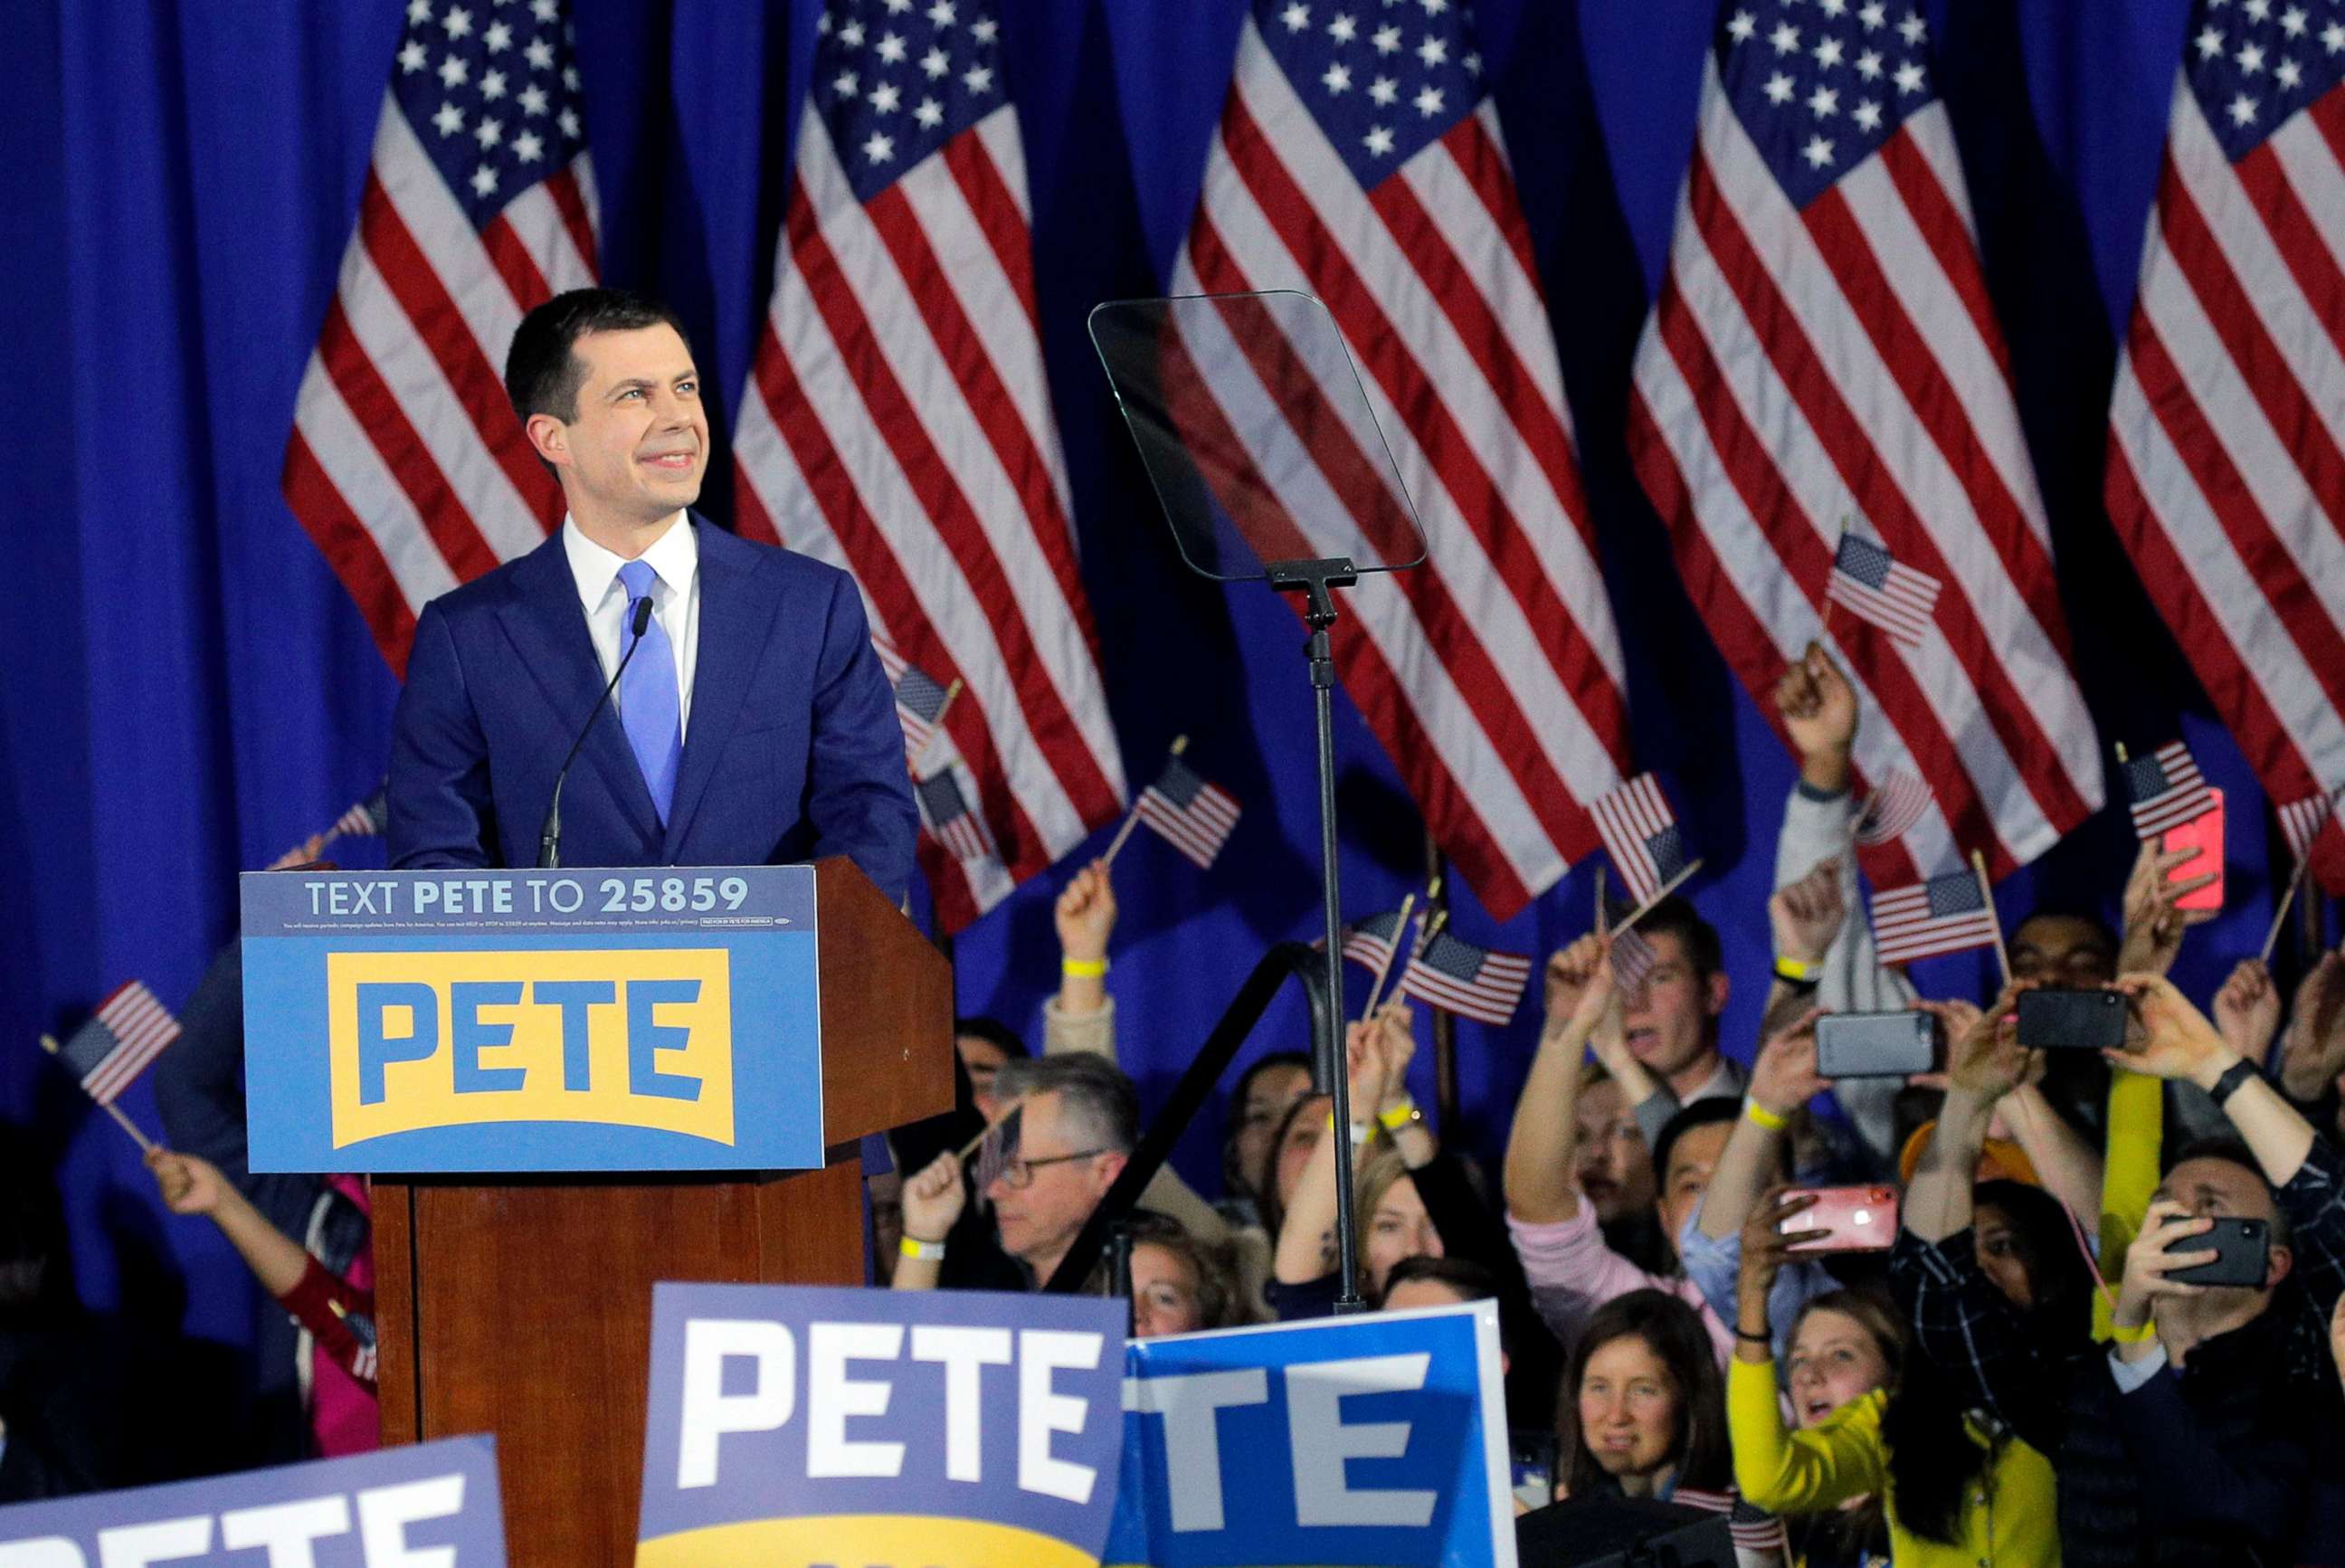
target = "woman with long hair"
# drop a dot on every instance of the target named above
(1643, 1411)
(1952, 1490)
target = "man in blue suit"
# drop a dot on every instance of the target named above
(753, 722)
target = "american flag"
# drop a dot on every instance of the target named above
(2168, 790)
(1823, 349)
(1196, 817)
(1632, 956)
(407, 465)
(1370, 942)
(1359, 159)
(899, 424)
(1944, 914)
(1641, 833)
(998, 1148)
(365, 819)
(1891, 809)
(2301, 821)
(919, 700)
(1456, 976)
(126, 1032)
(1872, 585)
(2226, 459)
(944, 808)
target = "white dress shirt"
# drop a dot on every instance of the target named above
(675, 557)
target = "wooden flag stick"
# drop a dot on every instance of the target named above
(2280, 916)
(1131, 818)
(1400, 929)
(970, 1147)
(1665, 890)
(146, 1145)
(1599, 928)
(1427, 924)
(1987, 897)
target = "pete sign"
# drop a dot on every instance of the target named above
(1351, 1440)
(433, 1505)
(792, 1424)
(649, 1019)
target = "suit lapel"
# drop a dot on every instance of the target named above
(548, 628)
(737, 602)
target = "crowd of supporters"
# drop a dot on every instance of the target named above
(2010, 1373)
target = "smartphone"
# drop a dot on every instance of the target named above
(2203, 834)
(1532, 1455)
(2072, 1020)
(1860, 1218)
(2243, 1248)
(1875, 1044)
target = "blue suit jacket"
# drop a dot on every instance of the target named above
(793, 750)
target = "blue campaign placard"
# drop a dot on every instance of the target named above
(432, 1503)
(1357, 1442)
(917, 1429)
(659, 1018)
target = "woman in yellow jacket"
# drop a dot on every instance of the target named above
(1952, 1493)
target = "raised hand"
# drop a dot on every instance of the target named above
(2247, 1010)
(1579, 985)
(1783, 1076)
(1818, 711)
(189, 1183)
(2153, 926)
(1085, 914)
(2312, 1052)
(2175, 1040)
(1806, 915)
(933, 1199)
(1765, 1249)
(1987, 1059)
(2163, 1246)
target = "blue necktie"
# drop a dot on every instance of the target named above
(649, 706)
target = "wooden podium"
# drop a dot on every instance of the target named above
(521, 1306)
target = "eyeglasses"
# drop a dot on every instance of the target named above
(1019, 1174)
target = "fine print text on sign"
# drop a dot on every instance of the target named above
(432, 1505)
(931, 1429)
(526, 1021)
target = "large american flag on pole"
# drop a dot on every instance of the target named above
(407, 465)
(1358, 159)
(899, 425)
(2227, 454)
(1824, 349)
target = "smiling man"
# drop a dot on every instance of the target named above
(752, 724)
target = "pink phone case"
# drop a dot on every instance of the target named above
(2205, 834)
(1860, 1218)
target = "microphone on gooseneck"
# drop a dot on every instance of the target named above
(549, 837)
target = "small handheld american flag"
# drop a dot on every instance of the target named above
(1944, 914)
(1876, 587)
(1641, 833)
(997, 1148)
(920, 701)
(2300, 822)
(1632, 956)
(1891, 809)
(366, 818)
(1370, 942)
(1195, 817)
(1456, 976)
(2168, 790)
(124, 1036)
(946, 811)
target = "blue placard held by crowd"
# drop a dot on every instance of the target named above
(660, 1018)
(925, 1430)
(433, 1505)
(1357, 1441)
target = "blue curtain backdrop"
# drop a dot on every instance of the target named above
(189, 691)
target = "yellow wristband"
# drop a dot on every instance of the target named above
(2124, 1335)
(1797, 971)
(1762, 1116)
(1400, 1115)
(921, 1251)
(1082, 968)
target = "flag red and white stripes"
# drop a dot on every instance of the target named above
(899, 424)
(407, 465)
(129, 1029)
(1457, 976)
(1877, 587)
(2168, 790)
(2301, 821)
(1823, 349)
(2226, 472)
(1944, 914)
(1194, 816)
(1491, 673)
(1641, 834)
(1891, 809)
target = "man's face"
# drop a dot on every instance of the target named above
(1039, 1220)
(2064, 951)
(638, 447)
(1616, 1168)
(1672, 1021)
(2218, 1189)
(1692, 1159)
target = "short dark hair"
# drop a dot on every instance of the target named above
(1235, 1182)
(543, 375)
(2233, 1151)
(1700, 1113)
(1470, 1281)
(1098, 1098)
(1676, 916)
(994, 1032)
(1673, 1332)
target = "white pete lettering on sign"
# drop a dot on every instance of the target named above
(707, 1414)
(288, 1531)
(1318, 1438)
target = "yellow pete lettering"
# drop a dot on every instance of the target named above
(638, 1037)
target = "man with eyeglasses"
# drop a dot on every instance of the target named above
(1079, 1120)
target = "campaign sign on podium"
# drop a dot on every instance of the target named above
(658, 1018)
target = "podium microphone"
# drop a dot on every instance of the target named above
(549, 837)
